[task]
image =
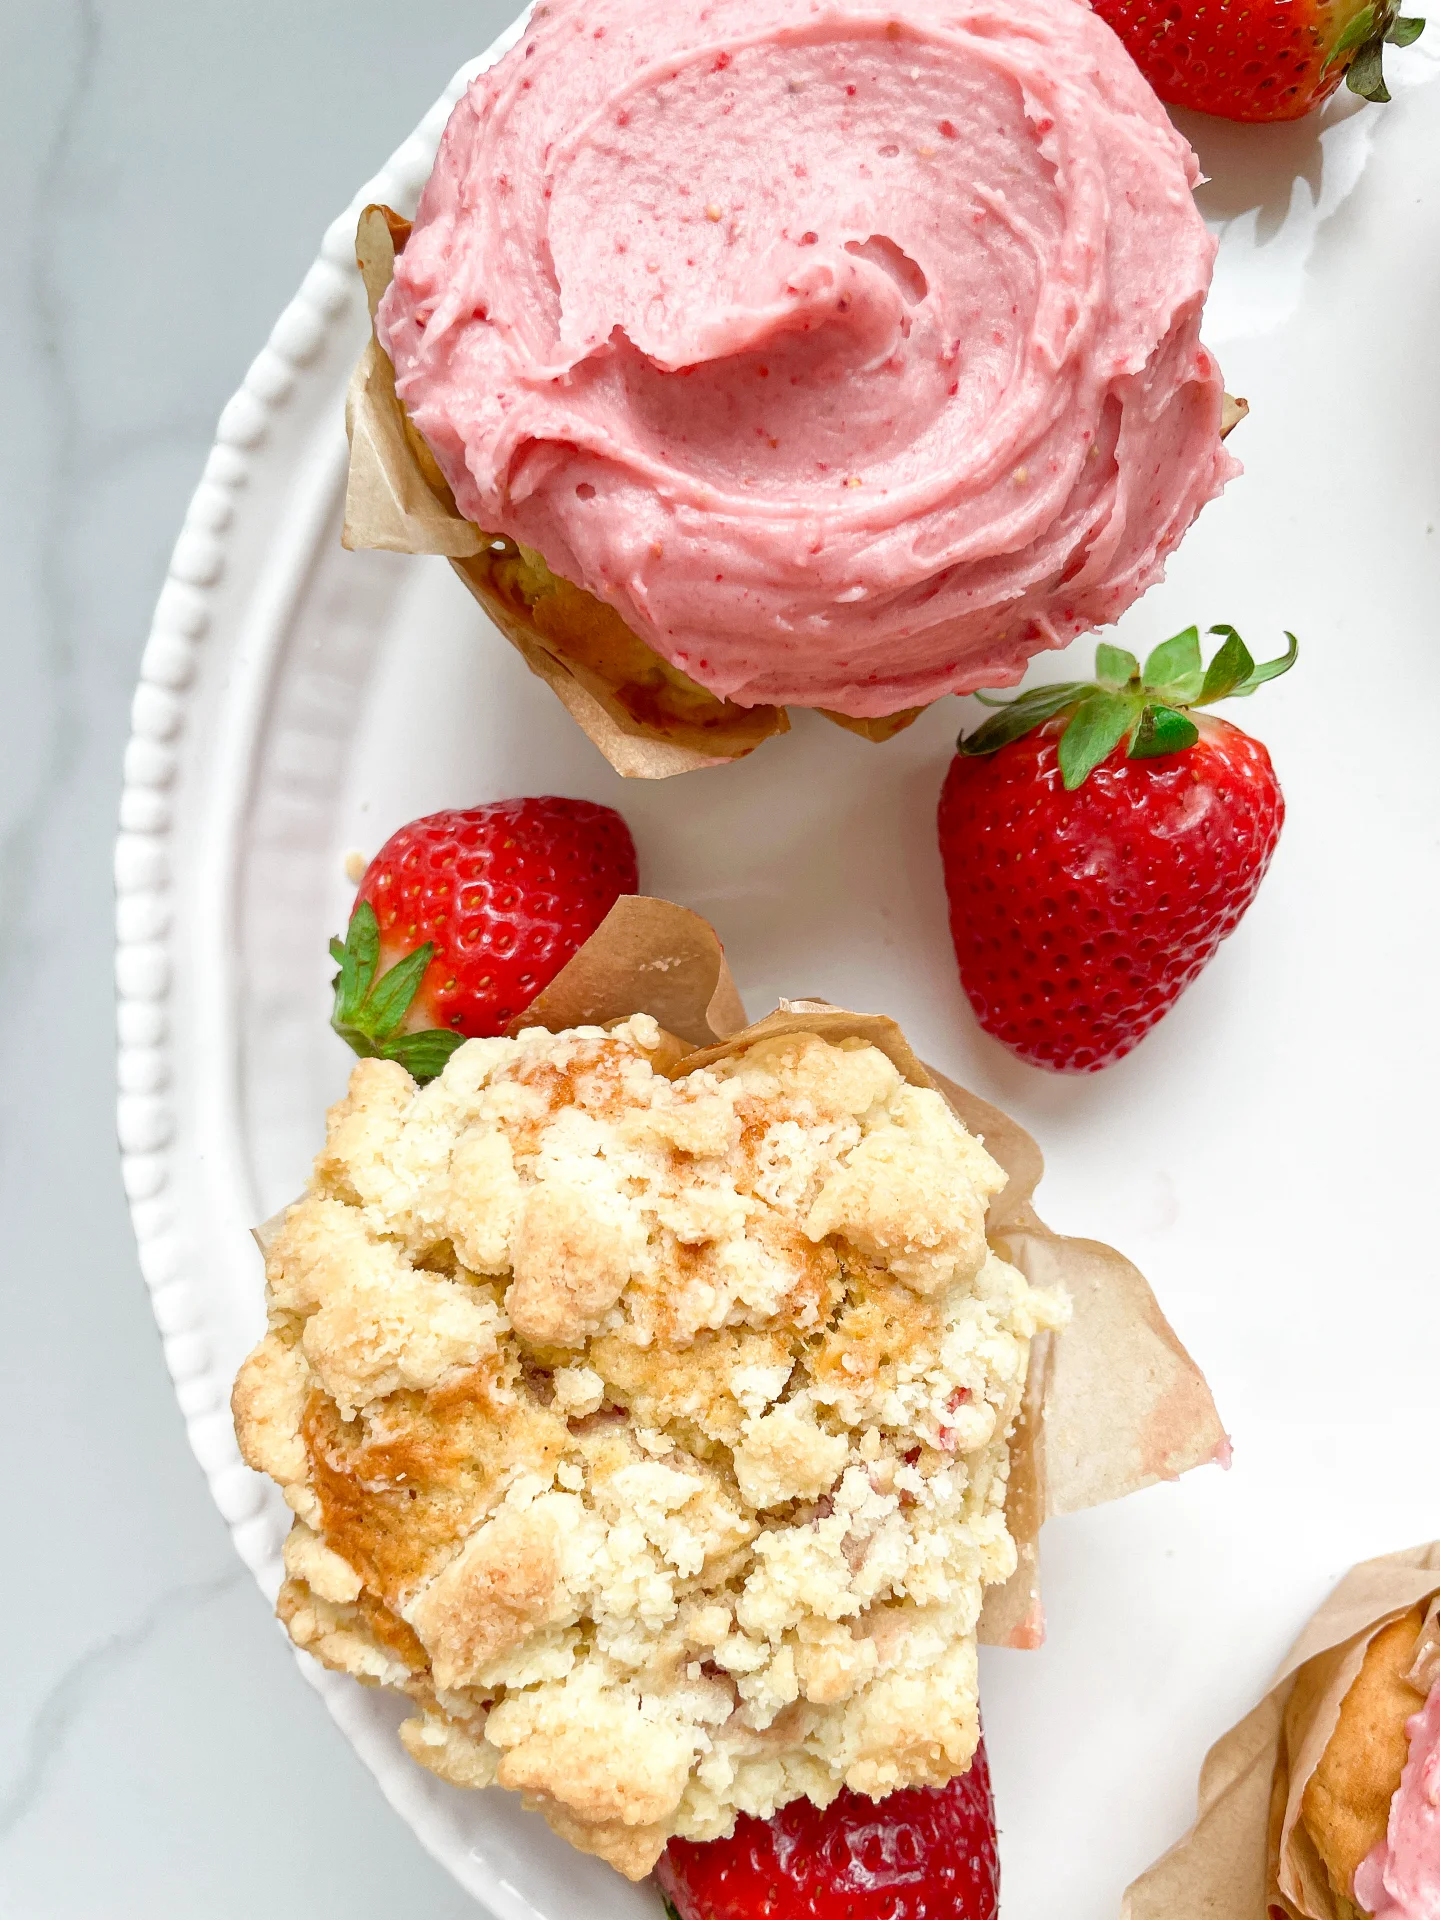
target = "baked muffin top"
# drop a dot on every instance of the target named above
(651, 1432)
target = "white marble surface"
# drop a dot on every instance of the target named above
(167, 171)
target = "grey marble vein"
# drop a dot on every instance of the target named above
(167, 172)
(51, 1724)
(59, 465)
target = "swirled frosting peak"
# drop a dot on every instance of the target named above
(850, 352)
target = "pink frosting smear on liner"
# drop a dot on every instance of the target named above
(1400, 1879)
(850, 353)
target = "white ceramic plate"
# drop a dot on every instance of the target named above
(1265, 1156)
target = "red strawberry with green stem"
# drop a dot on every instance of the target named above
(462, 918)
(924, 1853)
(1266, 60)
(1099, 843)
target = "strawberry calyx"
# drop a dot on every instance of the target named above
(1362, 47)
(1147, 707)
(368, 1009)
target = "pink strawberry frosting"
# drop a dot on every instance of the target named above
(850, 351)
(1400, 1879)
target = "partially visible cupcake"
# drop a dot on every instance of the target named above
(1372, 1806)
(822, 360)
(1323, 1802)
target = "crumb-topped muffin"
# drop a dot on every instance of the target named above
(651, 1433)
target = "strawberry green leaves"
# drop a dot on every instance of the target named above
(1146, 708)
(1232, 674)
(1017, 717)
(1114, 667)
(1161, 730)
(1173, 672)
(1362, 48)
(368, 1011)
(1099, 724)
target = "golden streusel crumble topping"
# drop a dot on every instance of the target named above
(651, 1434)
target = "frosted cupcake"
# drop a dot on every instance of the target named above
(840, 360)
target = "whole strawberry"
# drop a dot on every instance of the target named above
(925, 1853)
(1266, 60)
(1099, 844)
(462, 918)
